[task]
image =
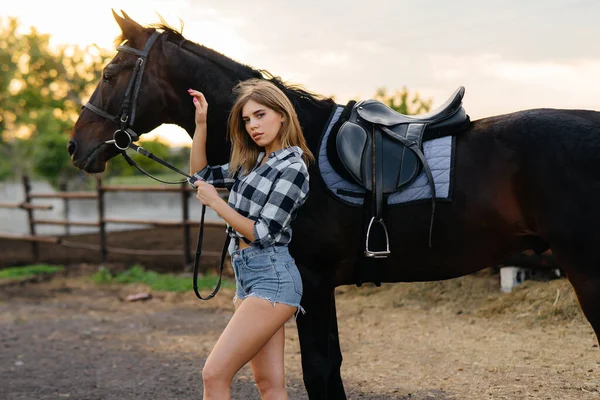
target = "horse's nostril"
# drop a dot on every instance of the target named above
(71, 147)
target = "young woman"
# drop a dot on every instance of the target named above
(268, 181)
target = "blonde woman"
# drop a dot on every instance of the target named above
(268, 181)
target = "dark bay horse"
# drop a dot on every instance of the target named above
(526, 180)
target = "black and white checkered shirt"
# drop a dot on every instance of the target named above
(270, 194)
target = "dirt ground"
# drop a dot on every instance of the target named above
(66, 337)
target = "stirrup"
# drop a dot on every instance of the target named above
(377, 254)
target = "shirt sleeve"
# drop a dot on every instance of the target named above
(289, 192)
(217, 175)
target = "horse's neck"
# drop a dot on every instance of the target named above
(198, 67)
(313, 114)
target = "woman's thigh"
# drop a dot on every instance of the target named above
(268, 364)
(243, 338)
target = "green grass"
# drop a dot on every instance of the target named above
(29, 271)
(156, 281)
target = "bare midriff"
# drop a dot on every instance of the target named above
(242, 244)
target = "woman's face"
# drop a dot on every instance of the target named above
(262, 123)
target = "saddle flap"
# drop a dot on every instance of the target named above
(350, 144)
(398, 166)
(395, 165)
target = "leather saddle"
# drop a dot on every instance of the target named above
(382, 150)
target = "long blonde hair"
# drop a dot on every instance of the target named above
(244, 151)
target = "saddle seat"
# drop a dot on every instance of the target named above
(378, 113)
(381, 149)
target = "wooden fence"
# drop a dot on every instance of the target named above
(184, 190)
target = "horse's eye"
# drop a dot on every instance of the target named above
(106, 77)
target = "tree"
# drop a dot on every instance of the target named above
(51, 160)
(403, 102)
(41, 92)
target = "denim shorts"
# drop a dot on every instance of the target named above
(269, 274)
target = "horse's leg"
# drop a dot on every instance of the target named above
(319, 344)
(583, 271)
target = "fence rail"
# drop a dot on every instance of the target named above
(27, 206)
(102, 248)
(39, 221)
(30, 238)
(64, 195)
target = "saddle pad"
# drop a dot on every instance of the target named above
(439, 154)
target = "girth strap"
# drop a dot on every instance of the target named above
(416, 131)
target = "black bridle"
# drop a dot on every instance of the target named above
(124, 137)
(126, 116)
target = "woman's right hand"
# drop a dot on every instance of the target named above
(201, 106)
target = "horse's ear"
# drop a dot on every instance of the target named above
(126, 16)
(129, 27)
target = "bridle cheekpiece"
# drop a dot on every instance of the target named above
(125, 135)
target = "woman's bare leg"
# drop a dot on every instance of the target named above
(268, 368)
(268, 365)
(252, 326)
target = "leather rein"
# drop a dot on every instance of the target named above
(124, 137)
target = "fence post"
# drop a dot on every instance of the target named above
(35, 246)
(187, 260)
(101, 224)
(63, 188)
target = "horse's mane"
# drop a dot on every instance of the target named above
(292, 90)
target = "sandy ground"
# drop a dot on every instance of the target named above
(456, 339)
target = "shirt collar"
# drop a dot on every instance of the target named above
(281, 153)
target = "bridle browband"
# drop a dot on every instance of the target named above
(124, 137)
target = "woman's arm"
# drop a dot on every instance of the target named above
(241, 224)
(208, 195)
(217, 175)
(198, 153)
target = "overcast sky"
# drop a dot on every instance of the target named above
(510, 55)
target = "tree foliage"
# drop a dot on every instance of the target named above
(403, 102)
(41, 92)
(50, 158)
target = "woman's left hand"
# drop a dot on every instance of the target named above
(207, 194)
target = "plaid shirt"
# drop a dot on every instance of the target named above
(270, 194)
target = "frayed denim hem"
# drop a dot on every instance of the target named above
(299, 308)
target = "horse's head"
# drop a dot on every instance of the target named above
(145, 85)
(133, 96)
